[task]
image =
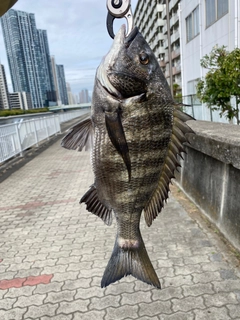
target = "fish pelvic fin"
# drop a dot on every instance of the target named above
(127, 259)
(95, 206)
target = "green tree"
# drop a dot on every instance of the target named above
(221, 82)
(177, 92)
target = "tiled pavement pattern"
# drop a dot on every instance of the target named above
(53, 254)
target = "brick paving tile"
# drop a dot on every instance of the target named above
(178, 316)
(95, 315)
(13, 314)
(48, 309)
(65, 295)
(122, 312)
(53, 254)
(197, 289)
(167, 293)
(155, 308)
(145, 318)
(26, 301)
(73, 306)
(104, 302)
(60, 317)
(212, 314)
(187, 304)
(17, 292)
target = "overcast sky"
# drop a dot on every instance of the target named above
(77, 36)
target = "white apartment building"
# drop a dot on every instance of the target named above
(171, 44)
(20, 100)
(4, 95)
(204, 24)
(148, 18)
(158, 21)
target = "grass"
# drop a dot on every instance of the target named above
(16, 112)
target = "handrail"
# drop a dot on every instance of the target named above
(17, 137)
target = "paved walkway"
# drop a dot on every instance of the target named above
(53, 254)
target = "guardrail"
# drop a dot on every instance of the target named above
(17, 137)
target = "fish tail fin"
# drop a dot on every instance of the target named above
(128, 260)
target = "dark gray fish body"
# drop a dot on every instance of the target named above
(135, 149)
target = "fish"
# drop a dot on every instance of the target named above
(136, 132)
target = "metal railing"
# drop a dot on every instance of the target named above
(200, 111)
(17, 137)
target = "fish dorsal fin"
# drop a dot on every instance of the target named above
(95, 206)
(176, 147)
(79, 136)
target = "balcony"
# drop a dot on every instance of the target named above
(174, 20)
(160, 7)
(164, 31)
(172, 4)
(162, 63)
(176, 69)
(165, 44)
(164, 13)
(166, 57)
(167, 74)
(176, 53)
(175, 36)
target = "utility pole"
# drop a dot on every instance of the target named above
(169, 47)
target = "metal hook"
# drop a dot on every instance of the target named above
(119, 9)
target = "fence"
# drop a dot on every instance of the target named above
(200, 111)
(17, 137)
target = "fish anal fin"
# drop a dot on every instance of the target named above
(95, 206)
(176, 147)
(79, 136)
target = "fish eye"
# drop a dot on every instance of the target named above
(144, 58)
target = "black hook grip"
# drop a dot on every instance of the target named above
(110, 20)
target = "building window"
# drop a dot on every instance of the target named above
(215, 9)
(192, 24)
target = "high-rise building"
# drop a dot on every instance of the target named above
(71, 98)
(20, 100)
(148, 18)
(4, 95)
(55, 80)
(84, 96)
(46, 72)
(159, 24)
(28, 57)
(62, 84)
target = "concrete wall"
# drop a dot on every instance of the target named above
(210, 174)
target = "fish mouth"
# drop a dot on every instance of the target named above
(107, 66)
(129, 39)
(122, 38)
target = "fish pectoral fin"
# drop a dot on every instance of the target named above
(117, 137)
(79, 136)
(95, 206)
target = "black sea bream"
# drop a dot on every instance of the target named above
(138, 132)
